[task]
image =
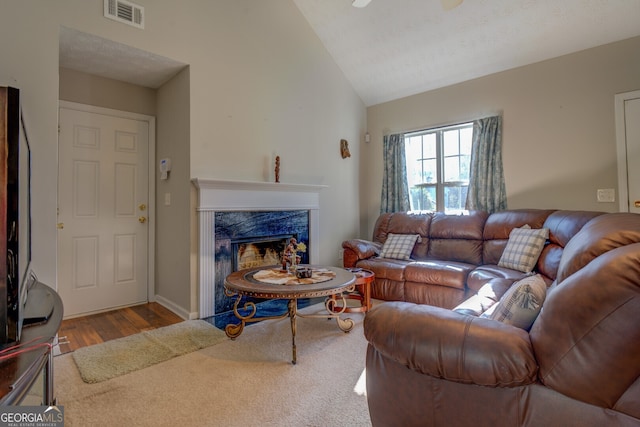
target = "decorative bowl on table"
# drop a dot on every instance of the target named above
(303, 273)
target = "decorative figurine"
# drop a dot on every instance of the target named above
(344, 148)
(290, 256)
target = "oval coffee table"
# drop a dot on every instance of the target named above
(335, 281)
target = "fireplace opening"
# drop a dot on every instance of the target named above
(252, 239)
(258, 252)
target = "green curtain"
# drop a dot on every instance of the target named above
(395, 190)
(487, 191)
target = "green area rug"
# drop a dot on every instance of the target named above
(111, 359)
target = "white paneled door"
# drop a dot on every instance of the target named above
(628, 145)
(103, 197)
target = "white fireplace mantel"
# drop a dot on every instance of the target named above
(254, 195)
(222, 195)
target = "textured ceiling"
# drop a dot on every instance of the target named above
(396, 48)
(105, 58)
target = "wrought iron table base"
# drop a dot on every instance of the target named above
(333, 311)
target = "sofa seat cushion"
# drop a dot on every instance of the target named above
(487, 296)
(385, 268)
(442, 273)
(435, 295)
(484, 273)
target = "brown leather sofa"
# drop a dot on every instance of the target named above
(457, 254)
(579, 365)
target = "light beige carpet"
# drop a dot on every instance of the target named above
(248, 381)
(117, 357)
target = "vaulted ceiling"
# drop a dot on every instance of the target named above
(395, 48)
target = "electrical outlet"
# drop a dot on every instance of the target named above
(340, 254)
(606, 195)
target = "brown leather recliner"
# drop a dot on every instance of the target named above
(579, 365)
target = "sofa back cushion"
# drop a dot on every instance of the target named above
(404, 223)
(601, 234)
(457, 237)
(562, 225)
(499, 226)
(587, 337)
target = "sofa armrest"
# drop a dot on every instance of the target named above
(357, 249)
(452, 346)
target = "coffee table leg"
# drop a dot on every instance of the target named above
(233, 330)
(293, 309)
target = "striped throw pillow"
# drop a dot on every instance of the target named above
(399, 246)
(524, 248)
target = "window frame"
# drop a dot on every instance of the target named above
(440, 184)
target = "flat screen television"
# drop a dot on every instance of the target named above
(15, 215)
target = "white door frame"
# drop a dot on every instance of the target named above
(151, 295)
(621, 147)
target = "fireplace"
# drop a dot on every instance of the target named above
(234, 213)
(257, 252)
(261, 236)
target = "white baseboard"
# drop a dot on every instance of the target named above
(170, 305)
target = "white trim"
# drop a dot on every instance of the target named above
(151, 242)
(221, 195)
(621, 148)
(175, 308)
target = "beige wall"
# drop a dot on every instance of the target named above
(260, 83)
(173, 227)
(558, 127)
(83, 88)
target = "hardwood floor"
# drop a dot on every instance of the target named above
(97, 328)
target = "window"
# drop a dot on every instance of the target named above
(438, 168)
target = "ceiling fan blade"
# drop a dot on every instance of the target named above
(360, 3)
(450, 4)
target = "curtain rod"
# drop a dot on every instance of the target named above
(446, 125)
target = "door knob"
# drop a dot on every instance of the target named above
(636, 203)
(142, 220)
(60, 225)
(142, 207)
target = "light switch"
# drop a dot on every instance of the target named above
(606, 195)
(167, 199)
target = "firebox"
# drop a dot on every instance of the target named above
(245, 239)
(258, 252)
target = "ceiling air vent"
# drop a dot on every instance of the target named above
(125, 12)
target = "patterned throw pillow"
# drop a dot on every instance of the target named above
(523, 248)
(521, 304)
(399, 246)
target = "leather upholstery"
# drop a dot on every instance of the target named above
(593, 354)
(475, 240)
(579, 364)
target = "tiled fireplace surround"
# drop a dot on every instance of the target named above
(283, 206)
